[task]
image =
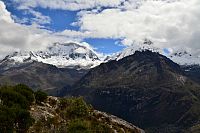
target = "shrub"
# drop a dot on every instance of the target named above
(11, 98)
(25, 91)
(14, 114)
(75, 107)
(7, 119)
(78, 126)
(14, 119)
(40, 96)
(23, 120)
(87, 126)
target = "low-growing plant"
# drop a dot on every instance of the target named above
(74, 108)
(40, 96)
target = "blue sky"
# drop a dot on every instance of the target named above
(62, 20)
(107, 25)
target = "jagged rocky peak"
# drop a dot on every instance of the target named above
(70, 55)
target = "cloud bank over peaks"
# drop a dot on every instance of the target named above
(168, 23)
(15, 36)
(171, 25)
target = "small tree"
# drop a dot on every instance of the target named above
(11, 98)
(77, 108)
(14, 114)
(40, 96)
(25, 91)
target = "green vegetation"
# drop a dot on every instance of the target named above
(25, 91)
(14, 104)
(87, 126)
(80, 117)
(25, 111)
(73, 114)
(40, 96)
(82, 120)
(74, 108)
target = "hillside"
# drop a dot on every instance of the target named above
(73, 115)
(147, 89)
(38, 75)
(25, 111)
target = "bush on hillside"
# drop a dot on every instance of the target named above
(25, 91)
(78, 126)
(14, 105)
(40, 96)
(11, 98)
(74, 107)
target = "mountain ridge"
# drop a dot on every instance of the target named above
(182, 57)
(145, 88)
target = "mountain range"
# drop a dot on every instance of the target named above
(181, 57)
(60, 66)
(78, 56)
(156, 91)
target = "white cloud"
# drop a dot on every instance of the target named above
(39, 18)
(14, 36)
(170, 24)
(67, 4)
(4, 14)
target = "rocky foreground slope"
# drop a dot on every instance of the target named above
(25, 111)
(49, 117)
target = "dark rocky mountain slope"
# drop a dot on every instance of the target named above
(192, 71)
(39, 75)
(147, 89)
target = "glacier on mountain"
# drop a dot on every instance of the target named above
(67, 55)
(78, 56)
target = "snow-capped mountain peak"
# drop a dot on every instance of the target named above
(146, 45)
(71, 55)
(181, 57)
(74, 55)
(184, 57)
